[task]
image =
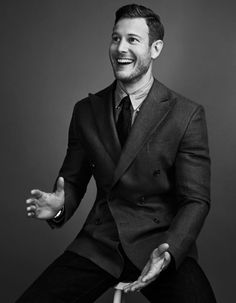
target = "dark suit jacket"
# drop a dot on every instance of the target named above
(153, 191)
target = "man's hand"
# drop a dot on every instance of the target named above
(159, 259)
(46, 205)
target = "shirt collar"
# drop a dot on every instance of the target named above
(136, 97)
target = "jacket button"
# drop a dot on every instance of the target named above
(156, 172)
(98, 221)
(157, 221)
(92, 165)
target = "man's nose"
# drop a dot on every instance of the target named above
(123, 46)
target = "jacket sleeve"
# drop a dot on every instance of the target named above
(192, 186)
(76, 171)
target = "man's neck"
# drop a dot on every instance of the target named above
(132, 87)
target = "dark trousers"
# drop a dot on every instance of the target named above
(75, 279)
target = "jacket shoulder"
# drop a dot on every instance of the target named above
(183, 104)
(182, 100)
(101, 93)
(106, 90)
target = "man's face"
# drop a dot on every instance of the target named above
(130, 53)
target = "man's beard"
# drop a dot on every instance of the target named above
(135, 75)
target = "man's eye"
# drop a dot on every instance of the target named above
(115, 39)
(133, 40)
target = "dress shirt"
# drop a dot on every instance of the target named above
(137, 97)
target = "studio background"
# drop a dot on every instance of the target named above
(54, 53)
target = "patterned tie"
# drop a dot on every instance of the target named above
(123, 124)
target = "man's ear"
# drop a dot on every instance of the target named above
(156, 48)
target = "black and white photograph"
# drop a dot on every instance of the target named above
(118, 151)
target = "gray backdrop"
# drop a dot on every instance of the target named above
(52, 54)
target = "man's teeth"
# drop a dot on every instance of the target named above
(124, 61)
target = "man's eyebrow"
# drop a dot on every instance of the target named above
(130, 35)
(135, 35)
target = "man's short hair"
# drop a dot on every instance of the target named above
(156, 28)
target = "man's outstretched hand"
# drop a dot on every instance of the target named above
(159, 259)
(46, 205)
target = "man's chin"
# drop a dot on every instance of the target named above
(123, 77)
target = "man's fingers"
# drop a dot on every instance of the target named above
(154, 271)
(137, 285)
(158, 252)
(167, 257)
(31, 214)
(31, 201)
(60, 185)
(133, 286)
(162, 248)
(36, 193)
(31, 208)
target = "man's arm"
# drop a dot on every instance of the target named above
(75, 174)
(76, 171)
(192, 183)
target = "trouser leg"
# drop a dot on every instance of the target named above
(188, 284)
(71, 279)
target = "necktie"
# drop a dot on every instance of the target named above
(123, 124)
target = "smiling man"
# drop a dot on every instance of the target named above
(146, 146)
(131, 53)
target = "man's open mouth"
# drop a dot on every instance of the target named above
(124, 61)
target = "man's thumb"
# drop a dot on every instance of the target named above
(60, 184)
(162, 248)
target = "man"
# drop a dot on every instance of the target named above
(146, 147)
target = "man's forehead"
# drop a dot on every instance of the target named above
(136, 26)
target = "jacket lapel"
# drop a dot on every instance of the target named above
(154, 110)
(102, 107)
